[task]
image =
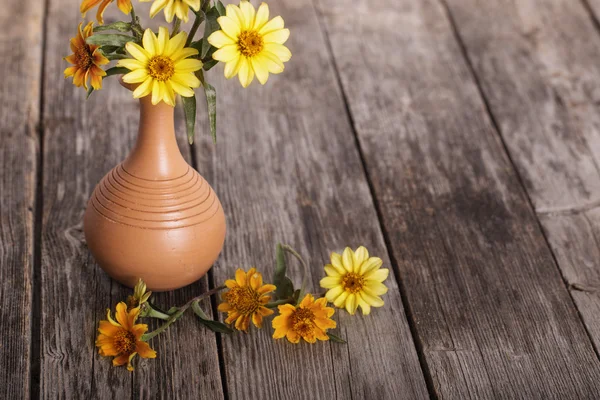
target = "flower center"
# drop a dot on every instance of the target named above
(161, 68)
(84, 57)
(250, 43)
(245, 300)
(353, 282)
(302, 321)
(124, 342)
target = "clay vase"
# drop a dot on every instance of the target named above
(153, 216)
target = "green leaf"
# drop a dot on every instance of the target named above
(112, 39)
(117, 71)
(285, 287)
(115, 26)
(189, 109)
(211, 102)
(209, 64)
(210, 25)
(116, 56)
(109, 49)
(335, 338)
(172, 310)
(214, 326)
(197, 45)
(220, 8)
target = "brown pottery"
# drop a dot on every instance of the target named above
(153, 216)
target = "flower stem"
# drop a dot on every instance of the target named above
(152, 313)
(274, 304)
(293, 252)
(194, 29)
(176, 26)
(136, 28)
(174, 317)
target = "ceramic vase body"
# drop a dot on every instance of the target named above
(153, 216)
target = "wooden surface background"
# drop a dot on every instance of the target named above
(459, 140)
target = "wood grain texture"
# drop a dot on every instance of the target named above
(20, 64)
(489, 304)
(287, 169)
(83, 141)
(540, 71)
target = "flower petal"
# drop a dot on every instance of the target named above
(122, 316)
(276, 24)
(262, 16)
(136, 76)
(246, 73)
(137, 52)
(336, 262)
(226, 53)
(329, 282)
(176, 44)
(348, 259)
(229, 26)
(341, 299)
(150, 42)
(279, 36)
(375, 288)
(188, 65)
(378, 275)
(334, 293)
(233, 67)
(279, 50)
(364, 306)
(360, 255)
(144, 89)
(330, 271)
(220, 39)
(248, 11)
(373, 301)
(240, 277)
(260, 69)
(144, 350)
(370, 265)
(351, 303)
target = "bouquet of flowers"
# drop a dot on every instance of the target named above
(171, 61)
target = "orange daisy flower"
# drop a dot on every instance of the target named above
(122, 338)
(245, 300)
(86, 5)
(86, 60)
(309, 321)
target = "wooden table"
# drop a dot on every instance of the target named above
(459, 140)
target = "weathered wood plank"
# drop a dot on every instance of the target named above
(83, 141)
(489, 304)
(287, 169)
(20, 66)
(539, 69)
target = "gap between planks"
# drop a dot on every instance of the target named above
(36, 294)
(498, 132)
(401, 288)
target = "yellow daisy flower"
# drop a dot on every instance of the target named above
(86, 59)
(246, 299)
(179, 8)
(309, 321)
(162, 67)
(121, 338)
(86, 5)
(355, 279)
(249, 44)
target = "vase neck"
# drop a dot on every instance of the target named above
(156, 155)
